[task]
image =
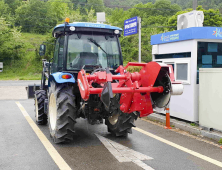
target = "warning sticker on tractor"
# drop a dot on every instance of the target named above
(80, 83)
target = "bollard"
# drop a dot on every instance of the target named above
(168, 117)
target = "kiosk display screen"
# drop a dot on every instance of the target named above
(212, 47)
(209, 55)
(219, 59)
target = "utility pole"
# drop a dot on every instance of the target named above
(139, 20)
(194, 4)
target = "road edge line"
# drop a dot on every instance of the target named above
(60, 162)
(196, 154)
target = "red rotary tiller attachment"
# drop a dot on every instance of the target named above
(140, 92)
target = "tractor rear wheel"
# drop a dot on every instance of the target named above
(40, 115)
(62, 112)
(119, 123)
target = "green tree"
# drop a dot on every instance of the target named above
(60, 10)
(90, 17)
(76, 3)
(211, 17)
(4, 9)
(35, 16)
(10, 43)
(165, 8)
(154, 19)
(126, 3)
(220, 7)
(97, 5)
(13, 5)
(75, 15)
(207, 4)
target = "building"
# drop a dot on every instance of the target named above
(187, 50)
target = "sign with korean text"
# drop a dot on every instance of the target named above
(188, 34)
(130, 26)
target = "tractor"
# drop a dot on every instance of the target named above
(86, 79)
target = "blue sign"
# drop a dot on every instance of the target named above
(130, 26)
(187, 34)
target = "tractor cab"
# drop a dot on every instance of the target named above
(86, 45)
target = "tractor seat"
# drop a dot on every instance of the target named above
(87, 58)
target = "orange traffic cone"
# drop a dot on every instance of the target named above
(167, 118)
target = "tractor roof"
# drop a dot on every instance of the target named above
(85, 26)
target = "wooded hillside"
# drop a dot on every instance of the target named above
(21, 22)
(207, 4)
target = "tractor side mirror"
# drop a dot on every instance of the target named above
(42, 50)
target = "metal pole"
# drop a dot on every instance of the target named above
(194, 4)
(139, 19)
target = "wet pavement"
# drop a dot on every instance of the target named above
(22, 149)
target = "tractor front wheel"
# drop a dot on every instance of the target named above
(40, 115)
(62, 112)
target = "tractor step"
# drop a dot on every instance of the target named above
(31, 90)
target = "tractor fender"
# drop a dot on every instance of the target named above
(58, 78)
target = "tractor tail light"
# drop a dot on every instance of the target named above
(66, 76)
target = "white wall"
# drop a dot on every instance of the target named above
(175, 47)
(210, 98)
(183, 106)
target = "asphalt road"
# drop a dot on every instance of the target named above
(21, 148)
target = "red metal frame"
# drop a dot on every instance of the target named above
(135, 88)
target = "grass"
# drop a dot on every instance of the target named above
(34, 40)
(193, 124)
(29, 67)
(220, 141)
(26, 69)
(30, 76)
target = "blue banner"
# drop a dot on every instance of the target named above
(130, 26)
(187, 34)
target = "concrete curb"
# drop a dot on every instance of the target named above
(185, 126)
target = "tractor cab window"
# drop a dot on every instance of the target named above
(57, 64)
(98, 50)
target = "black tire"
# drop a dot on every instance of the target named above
(40, 115)
(43, 80)
(120, 124)
(63, 118)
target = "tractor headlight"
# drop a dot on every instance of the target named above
(116, 31)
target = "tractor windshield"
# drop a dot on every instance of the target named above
(97, 50)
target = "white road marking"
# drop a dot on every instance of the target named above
(181, 132)
(49, 147)
(125, 154)
(208, 159)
